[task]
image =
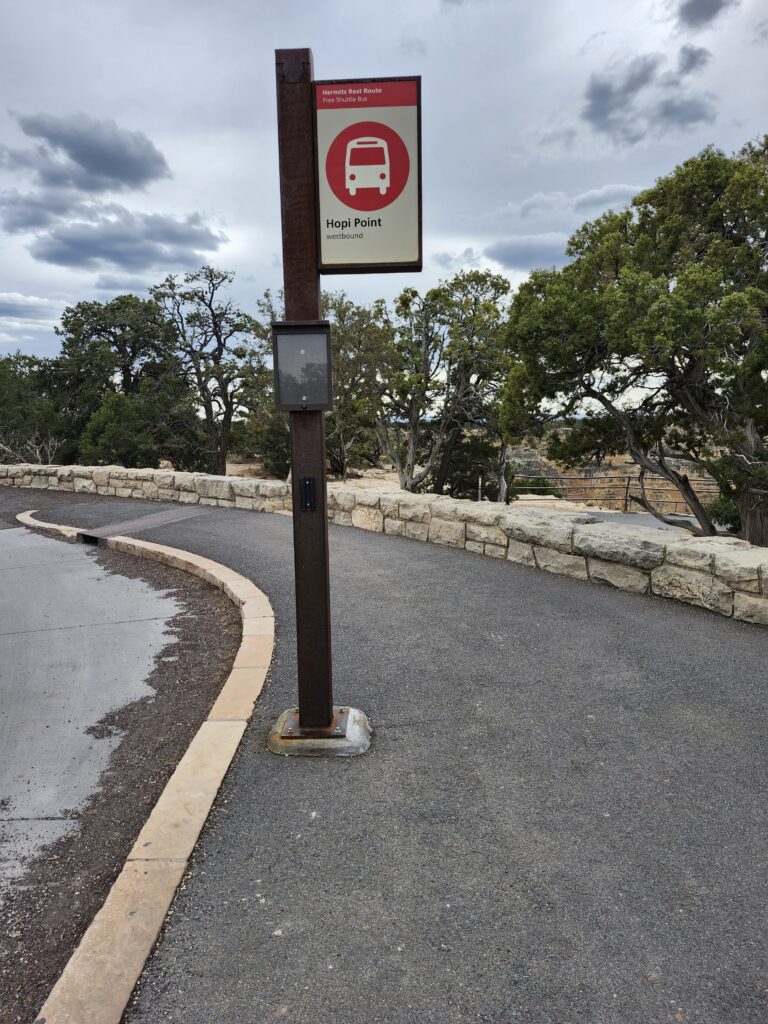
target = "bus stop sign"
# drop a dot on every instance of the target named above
(368, 148)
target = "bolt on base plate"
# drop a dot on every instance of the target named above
(348, 734)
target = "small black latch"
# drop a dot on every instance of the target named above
(307, 494)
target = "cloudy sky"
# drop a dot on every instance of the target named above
(138, 139)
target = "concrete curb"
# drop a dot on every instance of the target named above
(99, 978)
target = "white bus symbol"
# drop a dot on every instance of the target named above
(367, 165)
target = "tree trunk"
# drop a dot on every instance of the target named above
(445, 459)
(501, 474)
(754, 518)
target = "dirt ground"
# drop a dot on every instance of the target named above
(47, 910)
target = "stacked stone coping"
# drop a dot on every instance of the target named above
(722, 574)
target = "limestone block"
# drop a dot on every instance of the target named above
(107, 491)
(125, 492)
(486, 534)
(4, 472)
(446, 531)
(486, 513)
(207, 501)
(417, 531)
(740, 568)
(186, 481)
(345, 499)
(342, 518)
(84, 486)
(520, 553)
(620, 576)
(699, 552)
(64, 473)
(475, 546)
(560, 563)
(52, 482)
(83, 472)
(693, 588)
(496, 550)
(167, 494)
(272, 488)
(751, 609)
(245, 488)
(214, 487)
(368, 519)
(241, 502)
(395, 527)
(163, 478)
(414, 508)
(186, 497)
(367, 499)
(388, 503)
(639, 547)
(101, 475)
(151, 490)
(66, 485)
(551, 530)
(446, 508)
(225, 502)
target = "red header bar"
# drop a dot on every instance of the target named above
(346, 95)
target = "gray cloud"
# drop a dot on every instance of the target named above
(33, 211)
(634, 101)
(696, 14)
(129, 241)
(592, 39)
(453, 261)
(682, 112)
(692, 58)
(562, 138)
(15, 306)
(610, 97)
(608, 195)
(87, 154)
(526, 252)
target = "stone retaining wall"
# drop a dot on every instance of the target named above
(723, 574)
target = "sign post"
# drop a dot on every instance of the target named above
(350, 197)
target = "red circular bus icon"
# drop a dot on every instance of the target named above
(367, 166)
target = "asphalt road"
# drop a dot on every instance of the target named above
(561, 819)
(60, 612)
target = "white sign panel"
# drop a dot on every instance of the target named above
(369, 174)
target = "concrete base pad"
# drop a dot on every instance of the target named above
(356, 740)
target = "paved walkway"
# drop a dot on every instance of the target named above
(58, 607)
(561, 819)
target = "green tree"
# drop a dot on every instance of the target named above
(658, 331)
(440, 374)
(125, 346)
(31, 429)
(476, 303)
(359, 335)
(218, 346)
(156, 423)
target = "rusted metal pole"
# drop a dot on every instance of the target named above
(301, 282)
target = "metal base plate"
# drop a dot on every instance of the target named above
(293, 730)
(349, 734)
